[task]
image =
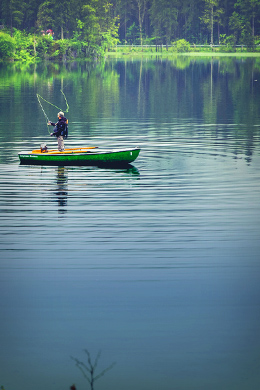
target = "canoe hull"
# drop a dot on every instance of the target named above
(94, 157)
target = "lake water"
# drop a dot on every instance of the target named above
(157, 265)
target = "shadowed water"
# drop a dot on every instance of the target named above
(157, 265)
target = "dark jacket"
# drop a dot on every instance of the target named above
(60, 127)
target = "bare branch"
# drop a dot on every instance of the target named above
(97, 358)
(104, 371)
(89, 358)
(80, 366)
(78, 362)
(90, 368)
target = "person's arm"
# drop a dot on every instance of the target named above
(55, 129)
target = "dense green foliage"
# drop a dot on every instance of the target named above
(7, 45)
(90, 27)
(80, 29)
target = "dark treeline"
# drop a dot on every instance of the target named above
(103, 23)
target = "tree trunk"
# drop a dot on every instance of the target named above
(141, 4)
(61, 33)
(34, 45)
(140, 26)
(125, 24)
(211, 38)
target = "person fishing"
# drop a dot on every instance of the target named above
(60, 130)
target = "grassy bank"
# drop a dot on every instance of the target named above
(147, 54)
(183, 49)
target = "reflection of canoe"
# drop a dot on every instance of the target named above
(80, 156)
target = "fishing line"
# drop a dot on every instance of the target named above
(46, 116)
(58, 108)
(38, 96)
(67, 104)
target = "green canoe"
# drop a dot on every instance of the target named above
(80, 156)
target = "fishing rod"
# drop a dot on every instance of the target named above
(38, 97)
(58, 108)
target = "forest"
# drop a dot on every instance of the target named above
(91, 27)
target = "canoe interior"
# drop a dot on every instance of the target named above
(66, 151)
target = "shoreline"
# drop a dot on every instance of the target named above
(134, 54)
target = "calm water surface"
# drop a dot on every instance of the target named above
(156, 265)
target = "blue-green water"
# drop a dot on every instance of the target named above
(157, 265)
